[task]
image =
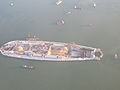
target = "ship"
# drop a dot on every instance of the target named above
(58, 2)
(34, 49)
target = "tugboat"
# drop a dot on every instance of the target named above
(28, 67)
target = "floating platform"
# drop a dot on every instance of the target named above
(49, 51)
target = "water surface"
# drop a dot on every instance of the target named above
(96, 27)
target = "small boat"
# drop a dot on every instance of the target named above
(11, 3)
(60, 22)
(116, 56)
(58, 2)
(28, 67)
(76, 7)
(94, 5)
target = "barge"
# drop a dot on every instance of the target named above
(34, 49)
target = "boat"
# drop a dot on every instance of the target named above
(28, 67)
(94, 5)
(35, 49)
(11, 3)
(58, 2)
(60, 22)
(77, 7)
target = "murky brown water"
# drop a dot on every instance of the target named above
(95, 27)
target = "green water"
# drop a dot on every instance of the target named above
(39, 17)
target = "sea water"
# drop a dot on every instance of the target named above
(95, 27)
